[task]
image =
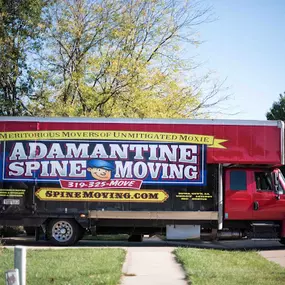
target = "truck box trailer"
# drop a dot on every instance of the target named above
(185, 178)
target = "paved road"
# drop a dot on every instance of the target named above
(155, 242)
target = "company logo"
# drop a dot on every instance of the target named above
(105, 164)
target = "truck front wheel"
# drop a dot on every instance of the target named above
(63, 232)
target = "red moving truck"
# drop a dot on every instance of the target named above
(185, 178)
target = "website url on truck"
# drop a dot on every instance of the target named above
(110, 195)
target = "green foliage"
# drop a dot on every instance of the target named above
(214, 267)
(277, 111)
(69, 266)
(119, 59)
(97, 58)
(19, 28)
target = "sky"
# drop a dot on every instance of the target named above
(246, 46)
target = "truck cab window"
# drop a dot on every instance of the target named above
(238, 180)
(263, 181)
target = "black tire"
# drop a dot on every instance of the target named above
(282, 241)
(63, 232)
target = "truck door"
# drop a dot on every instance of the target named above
(266, 204)
(238, 195)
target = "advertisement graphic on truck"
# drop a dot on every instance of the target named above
(212, 178)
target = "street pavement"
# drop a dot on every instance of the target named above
(260, 245)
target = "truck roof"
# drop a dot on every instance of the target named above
(145, 121)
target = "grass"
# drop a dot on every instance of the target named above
(68, 266)
(216, 267)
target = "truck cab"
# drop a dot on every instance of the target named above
(255, 201)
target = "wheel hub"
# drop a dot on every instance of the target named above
(62, 231)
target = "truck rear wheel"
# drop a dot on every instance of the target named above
(63, 232)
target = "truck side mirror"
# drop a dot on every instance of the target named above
(276, 184)
(276, 178)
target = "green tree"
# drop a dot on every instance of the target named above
(277, 111)
(19, 28)
(120, 58)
